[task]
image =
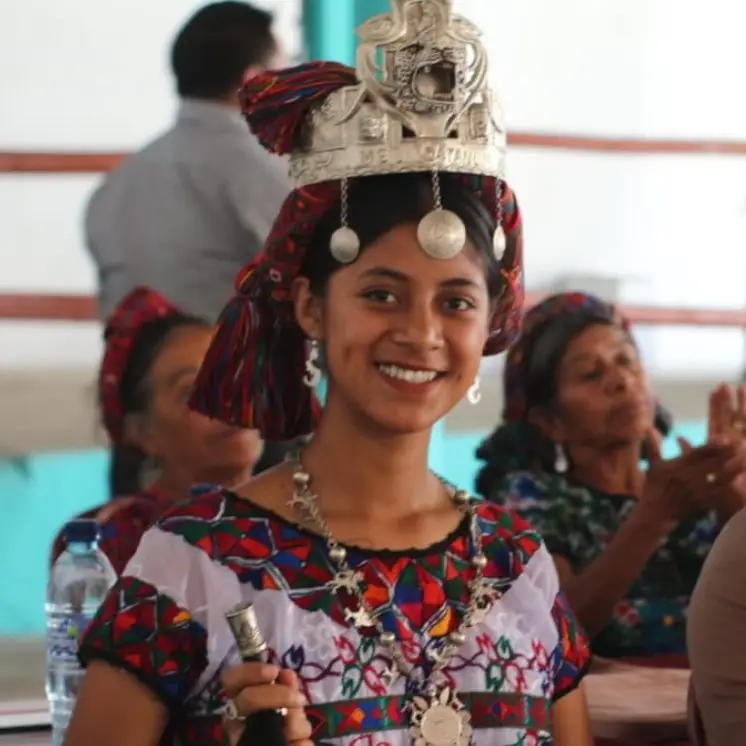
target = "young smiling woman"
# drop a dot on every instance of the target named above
(397, 610)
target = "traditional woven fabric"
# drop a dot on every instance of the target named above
(578, 523)
(123, 522)
(139, 308)
(173, 636)
(536, 319)
(252, 375)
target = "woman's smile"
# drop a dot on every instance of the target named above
(410, 380)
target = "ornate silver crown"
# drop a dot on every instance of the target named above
(423, 102)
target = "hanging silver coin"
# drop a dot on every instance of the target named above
(499, 243)
(440, 721)
(441, 234)
(344, 245)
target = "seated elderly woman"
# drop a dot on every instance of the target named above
(160, 447)
(628, 543)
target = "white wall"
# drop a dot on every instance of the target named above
(673, 227)
(93, 75)
(78, 75)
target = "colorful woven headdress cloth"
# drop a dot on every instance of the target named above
(141, 307)
(427, 108)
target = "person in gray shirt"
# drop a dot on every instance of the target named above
(184, 214)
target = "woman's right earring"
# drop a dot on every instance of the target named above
(474, 395)
(312, 377)
(560, 459)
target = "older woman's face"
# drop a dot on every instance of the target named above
(603, 397)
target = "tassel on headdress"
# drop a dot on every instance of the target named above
(252, 375)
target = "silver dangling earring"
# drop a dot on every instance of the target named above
(560, 459)
(312, 376)
(474, 395)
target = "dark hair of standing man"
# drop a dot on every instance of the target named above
(216, 47)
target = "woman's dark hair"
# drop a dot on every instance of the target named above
(377, 204)
(521, 446)
(127, 460)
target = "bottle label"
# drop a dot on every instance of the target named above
(62, 640)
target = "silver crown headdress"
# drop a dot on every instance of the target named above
(422, 104)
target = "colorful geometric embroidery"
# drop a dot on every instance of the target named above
(376, 714)
(578, 523)
(419, 594)
(513, 678)
(149, 635)
(572, 655)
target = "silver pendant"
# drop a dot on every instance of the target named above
(360, 618)
(499, 243)
(345, 580)
(440, 720)
(441, 234)
(344, 245)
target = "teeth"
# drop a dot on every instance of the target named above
(411, 376)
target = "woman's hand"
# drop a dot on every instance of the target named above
(726, 417)
(256, 686)
(691, 483)
(726, 424)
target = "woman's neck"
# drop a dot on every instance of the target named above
(356, 469)
(176, 487)
(616, 472)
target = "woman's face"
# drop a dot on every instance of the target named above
(602, 390)
(402, 333)
(183, 441)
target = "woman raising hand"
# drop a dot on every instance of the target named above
(628, 543)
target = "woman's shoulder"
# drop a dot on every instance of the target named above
(221, 523)
(503, 527)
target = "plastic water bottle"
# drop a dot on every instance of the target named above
(78, 584)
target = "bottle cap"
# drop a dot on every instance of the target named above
(82, 531)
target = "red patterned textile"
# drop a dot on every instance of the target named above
(139, 308)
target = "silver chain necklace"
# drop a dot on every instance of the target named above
(436, 714)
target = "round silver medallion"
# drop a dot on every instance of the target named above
(441, 725)
(441, 234)
(344, 245)
(499, 242)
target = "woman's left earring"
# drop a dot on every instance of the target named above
(312, 376)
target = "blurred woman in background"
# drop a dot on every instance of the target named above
(628, 544)
(160, 448)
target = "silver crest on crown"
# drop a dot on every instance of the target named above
(422, 104)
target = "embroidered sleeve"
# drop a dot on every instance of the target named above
(147, 634)
(152, 622)
(572, 656)
(554, 515)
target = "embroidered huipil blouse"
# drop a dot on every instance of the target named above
(164, 623)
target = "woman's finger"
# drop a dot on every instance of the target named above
(239, 677)
(297, 726)
(741, 403)
(720, 411)
(685, 446)
(288, 678)
(268, 697)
